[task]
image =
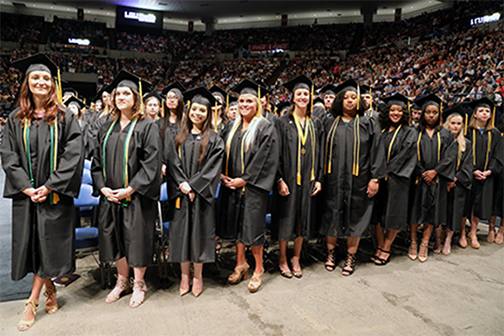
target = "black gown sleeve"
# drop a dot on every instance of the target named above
(279, 125)
(17, 178)
(378, 159)
(175, 175)
(67, 177)
(261, 170)
(446, 166)
(464, 174)
(319, 157)
(148, 178)
(495, 165)
(404, 162)
(97, 164)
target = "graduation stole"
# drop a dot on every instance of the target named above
(53, 197)
(392, 142)
(489, 147)
(356, 147)
(438, 151)
(302, 137)
(124, 202)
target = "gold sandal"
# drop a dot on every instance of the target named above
(240, 272)
(124, 285)
(256, 282)
(473, 240)
(138, 286)
(29, 304)
(51, 293)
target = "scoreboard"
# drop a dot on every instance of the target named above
(139, 20)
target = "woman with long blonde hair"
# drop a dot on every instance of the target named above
(250, 167)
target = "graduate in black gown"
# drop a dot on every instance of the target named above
(436, 158)
(300, 172)
(250, 167)
(42, 156)
(499, 190)
(99, 118)
(153, 105)
(367, 96)
(354, 162)
(219, 110)
(197, 155)
(174, 110)
(390, 212)
(455, 120)
(77, 106)
(485, 139)
(328, 93)
(267, 111)
(126, 173)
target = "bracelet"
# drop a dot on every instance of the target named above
(376, 180)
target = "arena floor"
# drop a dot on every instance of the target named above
(460, 294)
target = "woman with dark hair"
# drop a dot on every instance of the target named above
(126, 171)
(42, 156)
(485, 139)
(194, 166)
(390, 212)
(76, 105)
(435, 168)
(250, 167)
(458, 190)
(174, 110)
(354, 162)
(219, 116)
(299, 174)
(152, 105)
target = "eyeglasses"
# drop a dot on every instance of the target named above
(172, 98)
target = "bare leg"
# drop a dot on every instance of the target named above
(463, 238)
(491, 229)
(437, 244)
(241, 269)
(51, 301)
(257, 251)
(282, 260)
(197, 287)
(447, 243)
(185, 278)
(499, 239)
(122, 275)
(352, 246)
(413, 249)
(37, 285)
(473, 238)
(240, 254)
(390, 236)
(139, 287)
(331, 245)
(298, 245)
(424, 246)
(380, 238)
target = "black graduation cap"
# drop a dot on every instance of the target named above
(127, 79)
(174, 86)
(486, 102)
(98, 95)
(348, 85)
(233, 100)
(328, 89)
(37, 62)
(154, 94)
(283, 105)
(397, 98)
(68, 91)
(265, 86)
(215, 90)
(430, 99)
(458, 109)
(199, 95)
(75, 101)
(249, 87)
(318, 100)
(365, 89)
(300, 82)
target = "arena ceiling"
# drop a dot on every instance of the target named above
(189, 9)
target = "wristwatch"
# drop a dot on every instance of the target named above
(376, 180)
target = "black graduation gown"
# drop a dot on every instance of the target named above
(192, 230)
(347, 208)
(128, 231)
(457, 197)
(498, 208)
(84, 126)
(172, 127)
(43, 235)
(482, 192)
(94, 127)
(294, 215)
(243, 211)
(391, 203)
(429, 202)
(319, 113)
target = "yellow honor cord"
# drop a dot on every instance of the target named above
(358, 97)
(60, 89)
(228, 145)
(302, 137)
(392, 143)
(489, 147)
(465, 125)
(330, 135)
(215, 116)
(439, 146)
(356, 153)
(177, 203)
(371, 101)
(259, 107)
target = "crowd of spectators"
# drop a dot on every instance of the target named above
(63, 29)
(20, 28)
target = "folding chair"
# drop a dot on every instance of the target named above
(162, 232)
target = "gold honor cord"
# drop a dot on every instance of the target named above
(371, 101)
(439, 146)
(356, 153)
(358, 96)
(302, 137)
(392, 143)
(465, 125)
(259, 108)
(216, 116)
(60, 89)
(330, 135)
(177, 201)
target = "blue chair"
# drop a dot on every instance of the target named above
(86, 177)
(164, 198)
(162, 233)
(87, 164)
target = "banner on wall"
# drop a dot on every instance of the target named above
(397, 15)
(268, 46)
(284, 20)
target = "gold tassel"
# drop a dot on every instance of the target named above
(493, 118)
(298, 179)
(55, 198)
(227, 106)
(216, 115)
(177, 203)
(465, 125)
(441, 114)
(60, 90)
(371, 100)
(162, 108)
(312, 175)
(259, 108)
(311, 101)
(358, 96)
(141, 99)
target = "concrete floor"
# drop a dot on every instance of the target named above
(459, 294)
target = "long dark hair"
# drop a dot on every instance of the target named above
(137, 106)
(27, 104)
(422, 123)
(292, 106)
(337, 104)
(384, 118)
(179, 112)
(188, 125)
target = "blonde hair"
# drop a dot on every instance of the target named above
(460, 136)
(250, 133)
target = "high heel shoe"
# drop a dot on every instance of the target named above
(349, 267)
(463, 240)
(50, 293)
(29, 305)
(197, 291)
(491, 235)
(240, 273)
(183, 291)
(447, 245)
(256, 282)
(499, 238)
(413, 250)
(381, 261)
(330, 262)
(437, 245)
(473, 240)
(138, 286)
(423, 253)
(124, 285)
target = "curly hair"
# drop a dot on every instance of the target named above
(137, 106)
(384, 118)
(337, 105)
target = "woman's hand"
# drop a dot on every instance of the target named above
(163, 169)
(109, 194)
(192, 195)
(372, 188)
(185, 188)
(40, 194)
(122, 193)
(316, 188)
(283, 188)
(29, 192)
(429, 176)
(236, 183)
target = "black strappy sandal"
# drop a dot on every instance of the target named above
(349, 263)
(330, 260)
(380, 261)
